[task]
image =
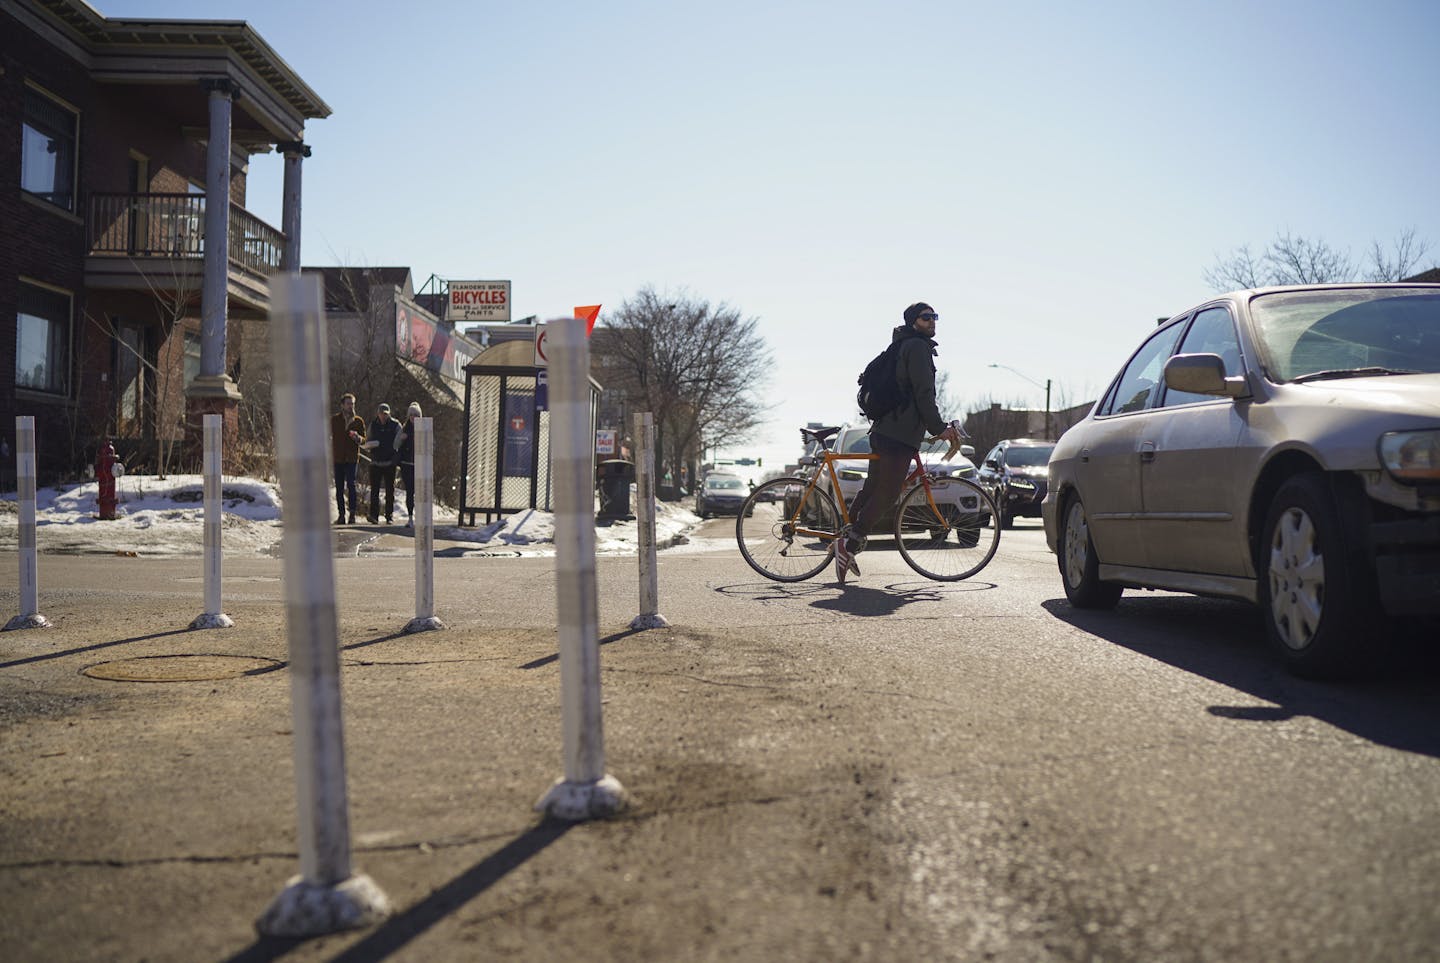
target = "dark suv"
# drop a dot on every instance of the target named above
(1013, 474)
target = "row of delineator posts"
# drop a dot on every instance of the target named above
(328, 894)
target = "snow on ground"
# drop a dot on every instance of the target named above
(165, 516)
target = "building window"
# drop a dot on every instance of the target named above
(42, 340)
(192, 357)
(47, 160)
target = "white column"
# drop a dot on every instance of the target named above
(586, 790)
(212, 617)
(423, 528)
(649, 617)
(29, 617)
(214, 296)
(294, 152)
(326, 896)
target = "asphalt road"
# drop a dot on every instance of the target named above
(897, 770)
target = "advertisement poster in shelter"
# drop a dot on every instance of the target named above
(519, 433)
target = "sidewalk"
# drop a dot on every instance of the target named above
(155, 819)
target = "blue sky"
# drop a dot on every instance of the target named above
(1052, 177)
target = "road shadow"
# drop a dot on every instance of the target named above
(1395, 706)
(92, 648)
(545, 660)
(774, 591)
(397, 932)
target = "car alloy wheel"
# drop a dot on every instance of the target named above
(1079, 565)
(1297, 579)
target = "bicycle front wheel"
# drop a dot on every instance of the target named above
(948, 531)
(785, 532)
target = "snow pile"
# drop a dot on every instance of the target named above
(165, 516)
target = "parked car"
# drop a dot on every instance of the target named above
(1278, 445)
(855, 439)
(720, 494)
(1014, 475)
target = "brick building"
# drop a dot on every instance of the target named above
(118, 137)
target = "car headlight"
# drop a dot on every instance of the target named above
(1411, 456)
(850, 474)
(1024, 484)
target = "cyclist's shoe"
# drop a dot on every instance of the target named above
(845, 555)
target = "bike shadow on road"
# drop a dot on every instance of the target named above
(1224, 641)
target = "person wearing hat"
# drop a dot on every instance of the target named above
(381, 442)
(896, 437)
(406, 456)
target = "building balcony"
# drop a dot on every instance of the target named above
(156, 242)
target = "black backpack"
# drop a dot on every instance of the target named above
(880, 392)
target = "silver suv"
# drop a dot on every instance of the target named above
(855, 439)
(1279, 445)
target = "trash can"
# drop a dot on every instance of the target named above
(613, 477)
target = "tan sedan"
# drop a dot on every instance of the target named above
(1279, 445)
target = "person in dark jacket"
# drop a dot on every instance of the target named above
(896, 437)
(381, 442)
(347, 433)
(406, 455)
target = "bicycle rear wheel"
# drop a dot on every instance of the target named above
(781, 537)
(949, 531)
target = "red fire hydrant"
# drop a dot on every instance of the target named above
(105, 475)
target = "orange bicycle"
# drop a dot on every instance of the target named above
(945, 527)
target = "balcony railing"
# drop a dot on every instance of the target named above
(173, 226)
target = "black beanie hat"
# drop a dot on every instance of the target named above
(915, 310)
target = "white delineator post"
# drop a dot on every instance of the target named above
(424, 529)
(212, 617)
(29, 617)
(585, 791)
(327, 895)
(649, 617)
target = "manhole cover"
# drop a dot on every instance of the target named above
(180, 668)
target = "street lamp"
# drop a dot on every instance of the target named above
(1037, 384)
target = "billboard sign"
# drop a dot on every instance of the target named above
(421, 340)
(478, 301)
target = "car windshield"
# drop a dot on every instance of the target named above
(1034, 456)
(855, 442)
(935, 447)
(714, 484)
(1310, 335)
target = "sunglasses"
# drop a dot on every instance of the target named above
(928, 316)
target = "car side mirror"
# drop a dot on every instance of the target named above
(1203, 374)
(808, 461)
(991, 463)
(968, 451)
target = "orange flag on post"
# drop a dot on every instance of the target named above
(589, 312)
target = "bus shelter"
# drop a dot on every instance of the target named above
(505, 456)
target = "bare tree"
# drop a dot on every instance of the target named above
(1293, 259)
(176, 297)
(697, 366)
(1238, 271)
(1408, 254)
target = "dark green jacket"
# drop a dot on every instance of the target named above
(915, 370)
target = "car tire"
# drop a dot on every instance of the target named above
(1317, 603)
(1079, 565)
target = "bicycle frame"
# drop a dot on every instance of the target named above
(828, 460)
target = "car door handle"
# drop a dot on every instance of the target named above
(1084, 454)
(1147, 451)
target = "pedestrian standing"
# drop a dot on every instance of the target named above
(347, 433)
(381, 442)
(406, 455)
(896, 437)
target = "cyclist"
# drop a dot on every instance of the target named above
(896, 437)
